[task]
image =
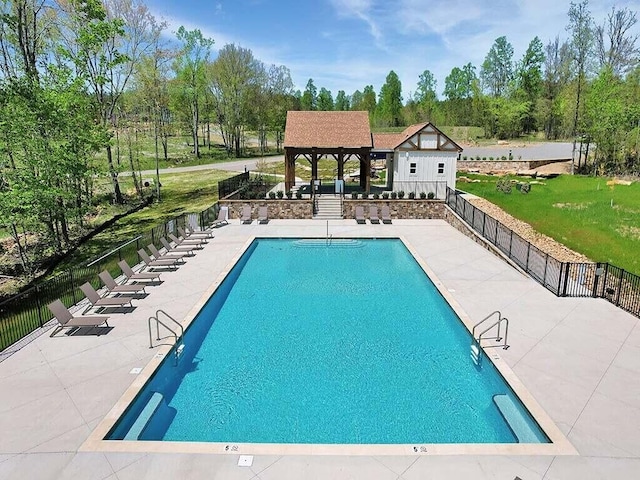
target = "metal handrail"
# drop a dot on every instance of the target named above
(497, 323)
(179, 348)
(473, 332)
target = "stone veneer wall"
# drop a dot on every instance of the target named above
(504, 165)
(398, 208)
(275, 208)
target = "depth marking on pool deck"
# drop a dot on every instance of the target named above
(559, 443)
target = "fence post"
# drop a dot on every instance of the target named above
(39, 306)
(510, 242)
(566, 278)
(73, 286)
(473, 218)
(544, 276)
(622, 272)
(484, 223)
(528, 253)
(596, 280)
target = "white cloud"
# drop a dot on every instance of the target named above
(360, 9)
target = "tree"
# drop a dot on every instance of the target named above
(368, 99)
(426, 97)
(342, 101)
(236, 79)
(615, 44)
(281, 99)
(191, 81)
(581, 43)
(325, 100)
(459, 90)
(356, 100)
(390, 105)
(497, 68)
(556, 76)
(309, 100)
(529, 77)
(152, 86)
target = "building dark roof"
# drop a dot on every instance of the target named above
(327, 130)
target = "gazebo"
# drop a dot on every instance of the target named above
(341, 135)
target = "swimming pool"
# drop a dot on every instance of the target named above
(305, 343)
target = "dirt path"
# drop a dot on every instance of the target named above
(539, 240)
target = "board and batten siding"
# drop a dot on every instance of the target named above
(426, 177)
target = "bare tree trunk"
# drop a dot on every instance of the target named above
(117, 193)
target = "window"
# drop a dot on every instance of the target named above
(440, 168)
(412, 168)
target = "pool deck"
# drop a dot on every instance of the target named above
(579, 358)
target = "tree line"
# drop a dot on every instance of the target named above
(80, 78)
(585, 87)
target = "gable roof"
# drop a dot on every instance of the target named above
(327, 129)
(391, 141)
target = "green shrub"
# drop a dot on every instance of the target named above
(354, 195)
(289, 194)
(394, 195)
(401, 194)
(464, 157)
(280, 194)
(272, 195)
(431, 195)
(376, 196)
(299, 195)
(385, 195)
(491, 159)
(504, 186)
(423, 195)
(484, 159)
(504, 157)
(477, 157)
(364, 196)
(412, 195)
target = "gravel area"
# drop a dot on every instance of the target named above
(541, 241)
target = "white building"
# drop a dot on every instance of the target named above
(420, 159)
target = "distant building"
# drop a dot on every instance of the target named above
(420, 159)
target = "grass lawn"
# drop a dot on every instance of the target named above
(180, 193)
(584, 213)
(180, 153)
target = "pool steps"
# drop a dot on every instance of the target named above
(516, 419)
(145, 416)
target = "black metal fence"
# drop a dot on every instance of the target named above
(229, 185)
(565, 279)
(23, 313)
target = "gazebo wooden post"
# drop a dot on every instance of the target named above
(365, 171)
(314, 169)
(341, 164)
(289, 169)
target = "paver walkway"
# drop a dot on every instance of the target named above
(580, 358)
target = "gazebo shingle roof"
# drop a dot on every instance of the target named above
(327, 130)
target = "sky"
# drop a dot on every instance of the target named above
(348, 44)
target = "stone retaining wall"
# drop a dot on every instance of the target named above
(398, 208)
(504, 165)
(275, 208)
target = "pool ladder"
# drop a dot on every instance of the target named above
(178, 333)
(497, 321)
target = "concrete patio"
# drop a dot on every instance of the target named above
(580, 359)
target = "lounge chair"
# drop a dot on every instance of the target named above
(165, 262)
(360, 214)
(113, 287)
(189, 232)
(128, 272)
(178, 257)
(97, 301)
(373, 214)
(246, 214)
(186, 249)
(181, 241)
(263, 216)
(384, 213)
(221, 220)
(67, 320)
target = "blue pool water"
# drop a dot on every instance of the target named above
(340, 344)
